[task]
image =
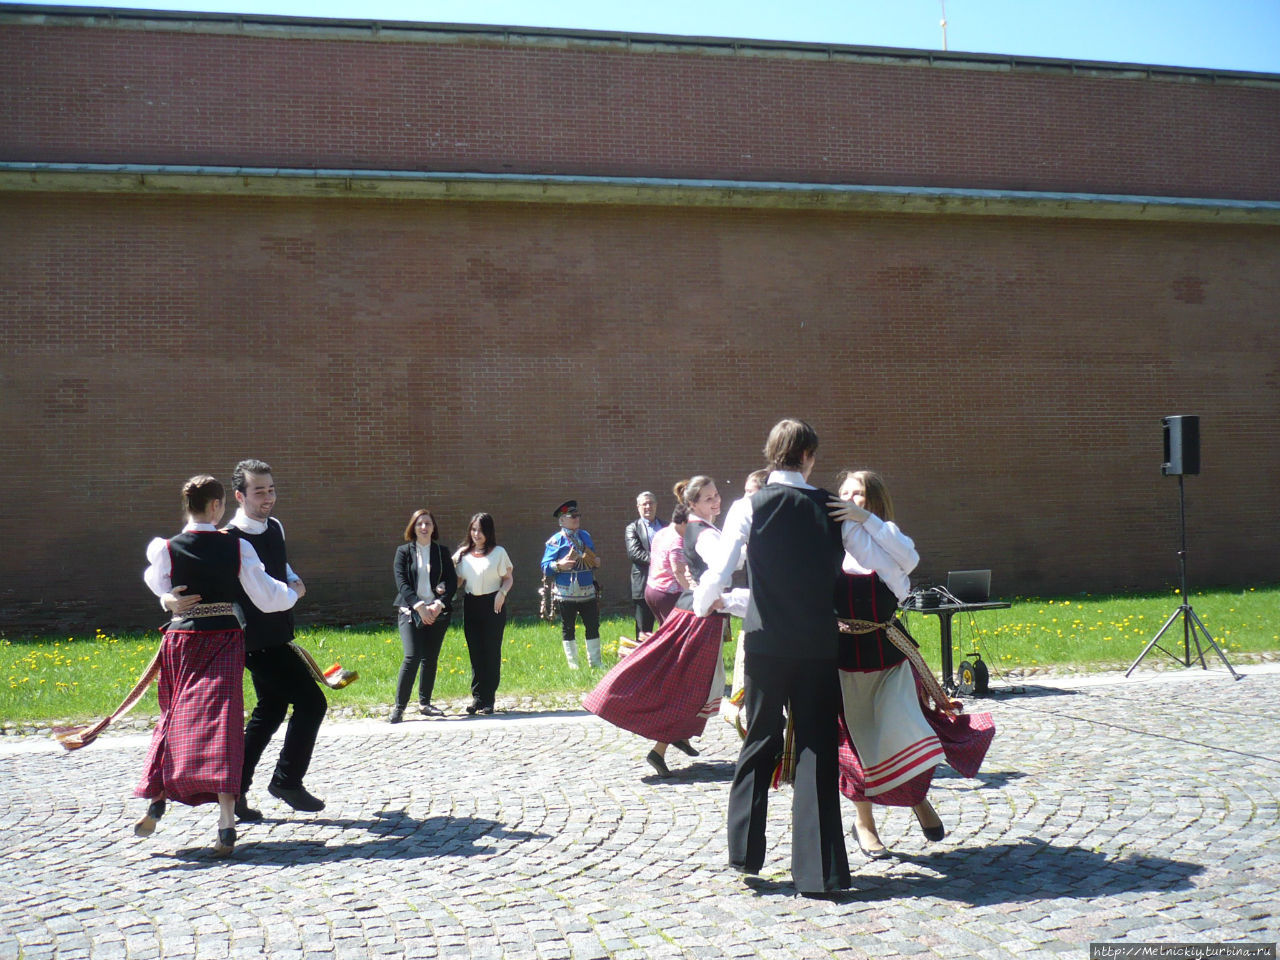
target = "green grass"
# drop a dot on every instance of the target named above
(78, 678)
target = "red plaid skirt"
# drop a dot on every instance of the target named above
(965, 740)
(197, 747)
(660, 691)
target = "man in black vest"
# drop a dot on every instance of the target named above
(791, 645)
(280, 677)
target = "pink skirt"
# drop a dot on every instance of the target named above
(665, 689)
(961, 741)
(197, 747)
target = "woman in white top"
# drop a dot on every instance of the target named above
(484, 572)
(896, 737)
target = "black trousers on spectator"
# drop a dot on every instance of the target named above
(483, 630)
(588, 610)
(810, 689)
(280, 678)
(644, 616)
(421, 655)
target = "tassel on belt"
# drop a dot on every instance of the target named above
(893, 630)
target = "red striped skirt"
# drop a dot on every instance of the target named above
(197, 747)
(665, 689)
(891, 742)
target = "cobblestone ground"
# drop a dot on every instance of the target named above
(1108, 810)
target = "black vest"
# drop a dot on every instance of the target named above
(866, 597)
(207, 563)
(793, 559)
(697, 566)
(264, 630)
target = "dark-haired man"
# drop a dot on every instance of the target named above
(280, 678)
(791, 648)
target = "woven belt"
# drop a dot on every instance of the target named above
(201, 610)
(900, 640)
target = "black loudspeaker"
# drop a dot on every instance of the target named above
(1181, 446)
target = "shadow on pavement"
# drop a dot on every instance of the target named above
(1023, 871)
(395, 836)
(698, 771)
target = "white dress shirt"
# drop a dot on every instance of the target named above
(858, 539)
(242, 521)
(268, 594)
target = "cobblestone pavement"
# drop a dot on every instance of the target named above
(1108, 810)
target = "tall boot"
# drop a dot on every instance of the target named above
(571, 653)
(593, 652)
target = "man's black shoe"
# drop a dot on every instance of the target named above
(297, 798)
(245, 812)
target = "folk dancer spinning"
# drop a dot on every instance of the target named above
(197, 747)
(895, 737)
(667, 688)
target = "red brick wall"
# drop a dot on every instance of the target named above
(1008, 376)
(74, 94)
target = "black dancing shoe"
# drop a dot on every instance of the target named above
(656, 761)
(430, 710)
(226, 842)
(486, 711)
(871, 853)
(245, 812)
(934, 833)
(397, 714)
(298, 798)
(147, 825)
(685, 747)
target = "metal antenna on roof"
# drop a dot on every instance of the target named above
(943, 23)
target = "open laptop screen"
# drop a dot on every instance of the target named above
(970, 586)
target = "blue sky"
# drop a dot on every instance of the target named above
(1214, 34)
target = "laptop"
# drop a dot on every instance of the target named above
(969, 586)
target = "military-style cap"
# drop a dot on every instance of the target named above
(569, 506)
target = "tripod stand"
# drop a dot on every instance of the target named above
(1190, 622)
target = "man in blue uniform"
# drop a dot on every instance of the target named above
(570, 559)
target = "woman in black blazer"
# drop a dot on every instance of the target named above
(425, 584)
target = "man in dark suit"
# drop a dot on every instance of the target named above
(639, 535)
(791, 646)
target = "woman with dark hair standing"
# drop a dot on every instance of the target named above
(485, 573)
(669, 685)
(425, 584)
(895, 736)
(197, 747)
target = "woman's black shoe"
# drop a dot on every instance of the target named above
(226, 842)
(656, 761)
(147, 825)
(685, 747)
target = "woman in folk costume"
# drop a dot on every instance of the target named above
(895, 736)
(667, 688)
(197, 747)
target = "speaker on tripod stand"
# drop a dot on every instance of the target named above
(1182, 458)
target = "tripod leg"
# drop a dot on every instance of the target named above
(1195, 621)
(1154, 640)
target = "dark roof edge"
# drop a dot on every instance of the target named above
(393, 30)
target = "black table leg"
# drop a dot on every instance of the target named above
(944, 628)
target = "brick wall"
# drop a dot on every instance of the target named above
(1008, 375)
(167, 96)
